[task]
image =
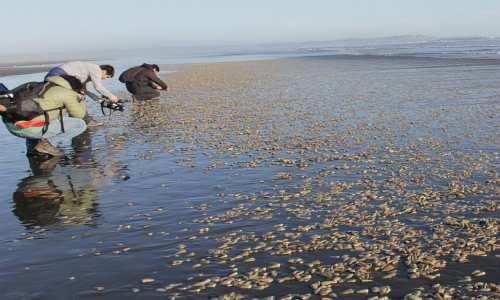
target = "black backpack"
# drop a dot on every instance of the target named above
(25, 104)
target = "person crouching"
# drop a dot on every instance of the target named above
(67, 94)
(142, 82)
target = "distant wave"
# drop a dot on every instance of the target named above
(463, 48)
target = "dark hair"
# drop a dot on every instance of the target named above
(76, 85)
(156, 67)
(109, 70)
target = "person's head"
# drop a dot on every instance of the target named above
(107, 71)
(76, 85)
(156, 68)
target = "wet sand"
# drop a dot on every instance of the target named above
(308, 178)
(20, 68)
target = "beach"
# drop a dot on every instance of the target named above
(320, 177)
(21, 68)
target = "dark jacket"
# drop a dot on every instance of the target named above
(137, 78)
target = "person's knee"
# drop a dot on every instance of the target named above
(77, 125)
(81, 125)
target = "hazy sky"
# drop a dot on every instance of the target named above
(67, 25)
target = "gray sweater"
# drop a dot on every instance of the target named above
(89, 74)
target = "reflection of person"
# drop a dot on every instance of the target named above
(142, 82)
(66, 94)
(89, 74)
(55, 193)
(37, 199)
(82, 148)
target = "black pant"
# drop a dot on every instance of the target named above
(143, 92)
(149, 94)
(87, 118)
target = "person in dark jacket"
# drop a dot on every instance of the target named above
(142, 82)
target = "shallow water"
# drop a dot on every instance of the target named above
(347, 160)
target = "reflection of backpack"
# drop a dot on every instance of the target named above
(26, 103)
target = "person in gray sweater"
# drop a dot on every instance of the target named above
(90, 75)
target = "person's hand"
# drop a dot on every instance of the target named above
(114, 99)
(2, 108)
(159, 88)
(166, 89)
(80, 95)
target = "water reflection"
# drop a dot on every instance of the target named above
(59, 191)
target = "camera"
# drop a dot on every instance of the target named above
(106, 103)
(5, 96)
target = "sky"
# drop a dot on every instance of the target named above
(46, 26)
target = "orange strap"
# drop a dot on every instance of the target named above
(28, 124)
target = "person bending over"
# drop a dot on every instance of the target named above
(90, 75)
(66, 94)
(142, 82)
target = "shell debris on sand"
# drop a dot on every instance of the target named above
(346, 183)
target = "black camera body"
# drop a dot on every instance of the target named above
(106, 103)
(6, 96)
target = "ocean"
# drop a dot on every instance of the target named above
(355, 172)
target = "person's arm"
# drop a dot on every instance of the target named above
(152, 76)
(95, 77)
(87, 89)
